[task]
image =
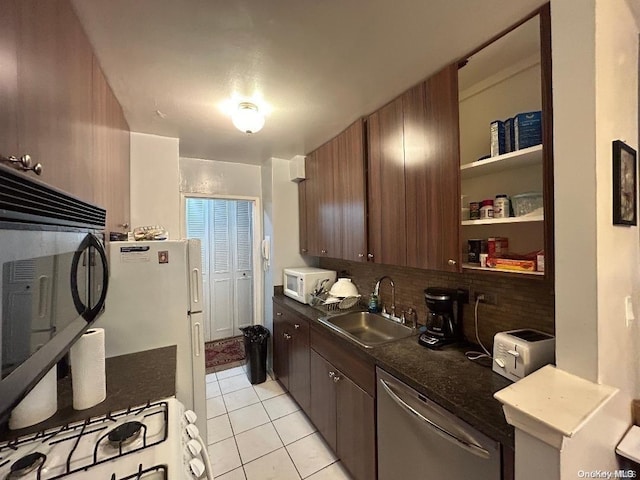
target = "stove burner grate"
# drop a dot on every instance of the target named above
(26, 465)
(125, 434)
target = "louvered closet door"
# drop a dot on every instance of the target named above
(222, 275)
(198, 227)
(243, 256)
(225, 229)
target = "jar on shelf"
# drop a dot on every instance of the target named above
(501, 206)
(486, 210)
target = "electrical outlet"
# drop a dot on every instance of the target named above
(489, 298)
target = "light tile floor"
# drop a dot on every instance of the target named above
(258, 432)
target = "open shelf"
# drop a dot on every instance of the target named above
(520, 158)
(469, 266)
(493, 221)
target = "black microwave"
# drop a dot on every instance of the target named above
(53, 279)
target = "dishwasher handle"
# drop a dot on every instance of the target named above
(470, 447)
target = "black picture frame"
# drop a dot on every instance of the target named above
(625, 184)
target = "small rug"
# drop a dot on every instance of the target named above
(222, 352)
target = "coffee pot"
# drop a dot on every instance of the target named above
(444, 317)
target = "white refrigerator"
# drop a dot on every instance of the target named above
(155, 300)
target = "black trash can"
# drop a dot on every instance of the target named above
(255, 350)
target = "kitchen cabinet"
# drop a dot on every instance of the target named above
(333, 199)
(432, 173)
(58, 107)
(414, 177)
(55, 63)
(9, 78)
(490, 91)
(343, 402)
(110, 153)
(344, 415)
(386, 186)
(291, 354)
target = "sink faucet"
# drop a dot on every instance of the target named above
(376, 292)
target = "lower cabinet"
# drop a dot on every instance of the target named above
(291, 354)
(344, 414)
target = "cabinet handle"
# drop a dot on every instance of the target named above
(332, 374)
(370, 256)
(278, 314)
(124, 225)
(304, 250)
(336, 378)
(296, 326)
(452, 262)
(360, 255)
(323, 251)
(23, 163)
(287, 336)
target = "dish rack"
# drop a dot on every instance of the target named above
(327, 304)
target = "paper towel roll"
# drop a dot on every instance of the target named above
(38, 405)
(88, 377)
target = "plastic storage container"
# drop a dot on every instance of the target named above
(526, 203)
(255, 348)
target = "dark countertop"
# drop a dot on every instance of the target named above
(445, 376)
(132, 380)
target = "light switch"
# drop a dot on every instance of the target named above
(628, 310)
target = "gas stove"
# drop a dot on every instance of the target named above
(156, 441)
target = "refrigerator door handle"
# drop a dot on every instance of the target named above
(197, 332)
(195, 291)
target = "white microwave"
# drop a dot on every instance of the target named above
(300, 282)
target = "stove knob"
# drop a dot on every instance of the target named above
(194, 447)
(197, 467)
(192, 431)
(190, 416)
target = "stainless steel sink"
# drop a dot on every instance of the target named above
(367, 329)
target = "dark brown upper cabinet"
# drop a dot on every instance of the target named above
(507, 76)
(58, 108)
(387, 192)
(333, 200)
(432, 172)
(414, 177)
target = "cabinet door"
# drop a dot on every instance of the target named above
(280, 347)
(350, 193)
(299, 367)
(54, 106)
(323, 398)
(110, 153)
(432, 172)
(329, 216)
(356, 433)
(312, 202)
(386, 196)
(9, 78)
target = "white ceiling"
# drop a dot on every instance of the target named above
(318, 64)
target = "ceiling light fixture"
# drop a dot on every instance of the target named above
(247, 118)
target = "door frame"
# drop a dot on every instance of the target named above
(258, 288)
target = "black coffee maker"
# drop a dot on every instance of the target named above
(444, 317)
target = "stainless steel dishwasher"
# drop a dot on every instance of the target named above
(418, 439)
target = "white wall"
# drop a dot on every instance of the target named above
(219, 178)
(574, 117)
(155, 198)
(595, 88)
(280, 201)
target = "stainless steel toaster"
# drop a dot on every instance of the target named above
(517, 353)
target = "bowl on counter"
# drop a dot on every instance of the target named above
(343, 288)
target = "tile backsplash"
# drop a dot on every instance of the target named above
(521, 302)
